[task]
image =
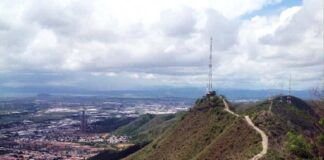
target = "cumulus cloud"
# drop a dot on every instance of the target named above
(178, 22)
(224, 31)
(160, 43)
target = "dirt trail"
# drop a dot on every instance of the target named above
(264, 139)
(249, 121)
(228, 109)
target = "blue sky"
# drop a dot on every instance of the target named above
(113, 45)
(273, 9)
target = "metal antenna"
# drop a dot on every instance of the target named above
(281, 93)
(207, 87)
(323, 60)
(289, 91)
(210, 75)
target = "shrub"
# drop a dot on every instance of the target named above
(154, 145)
(197, 101)
(182, 117)
(298, 145)
(320, 139)
(321, 122)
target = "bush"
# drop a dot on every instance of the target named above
(298, 145)
(321, 122)
(154, 145)
(198, 101)
(320, 139)
(182, 117)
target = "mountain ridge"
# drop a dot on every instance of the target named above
(205, 132)
(229, 136)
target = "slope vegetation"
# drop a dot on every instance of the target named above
(147, 127)
(293, 129)
(141, 131)
(205, 132)
(261, 132)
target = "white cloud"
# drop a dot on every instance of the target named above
(134, 76)
(111, 74)
(149, 76)
(178, 22)
(164, 42)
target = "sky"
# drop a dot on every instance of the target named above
(136, 44)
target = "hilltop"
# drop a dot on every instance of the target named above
(294, 129)
(204, 132)
(215, 129)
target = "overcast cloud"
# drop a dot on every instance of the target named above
(124, 44)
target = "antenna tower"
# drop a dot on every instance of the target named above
(281, 93)
(210, 75)
(289, 91)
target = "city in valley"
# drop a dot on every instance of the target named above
(66, 127)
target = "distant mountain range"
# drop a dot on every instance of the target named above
(158, 92)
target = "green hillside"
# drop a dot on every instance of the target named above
(205, 132)
(141, 131)
(208, 132)
(147, 127)
(294, 130)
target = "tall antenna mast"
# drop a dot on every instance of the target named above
(290, 84)
(210, 75)
(289, 91)
(281, 92)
